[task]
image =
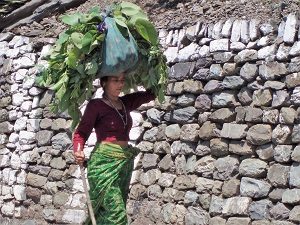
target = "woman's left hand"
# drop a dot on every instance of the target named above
(79, 157)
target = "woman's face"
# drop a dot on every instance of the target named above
(114, 85)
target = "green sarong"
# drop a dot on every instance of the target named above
(109, 172)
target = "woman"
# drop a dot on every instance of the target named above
(111, 163)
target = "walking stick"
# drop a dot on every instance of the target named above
(89, 203)
(85, 188)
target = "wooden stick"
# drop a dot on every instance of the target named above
(89, 203)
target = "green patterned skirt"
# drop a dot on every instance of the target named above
(109, 172)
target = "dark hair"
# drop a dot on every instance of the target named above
(102, 80)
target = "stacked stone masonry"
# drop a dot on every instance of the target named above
(223, 149)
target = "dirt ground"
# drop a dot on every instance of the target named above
(177, 14)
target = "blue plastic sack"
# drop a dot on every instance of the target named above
(119, 53)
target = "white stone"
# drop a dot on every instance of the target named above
(33, 125)
(35, 102)
(3, 139)
(204, 51)
(217, 30)
(20, 74)
(219, 45)
(137, 118)
(6, 190)
(295, 50)
(283, 52)
(281, 29)
(20, 123)
(92, 139)
(254, 29)
(12, 115)
(236, 31)
(4, 161)
(35, 91)
(19, 192)
(74, 216)
(251, 44)
(18, 41)
(296, 96)
(45, 51)
(14, 88)
(26, 106)
(18, 211)
(175, 38)
(26, 137)
(171, 54)
(245, 37)
(266, 52)
(135, 133)
(12, 53)
(78, 185)
(26, 48)
(8, 208)
(17, 99)
(237, 46)
(226, 30)
(21, 177)
(169, 37)
(13, 138)
(264, 41)
(27, 61)
(46, 200)
(79, 200)
(181, 36)
(3, 48)
(25, 147)
(25, 157)
(290, 29)
(15, 161)
(188, 52)
(12, 177)
(28, 82)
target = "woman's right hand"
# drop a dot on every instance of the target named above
(79, 157)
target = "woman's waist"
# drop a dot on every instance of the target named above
(122, 144)
(117, 149)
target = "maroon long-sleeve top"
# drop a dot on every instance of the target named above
(107, 122)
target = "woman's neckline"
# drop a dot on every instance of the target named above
(110, 105)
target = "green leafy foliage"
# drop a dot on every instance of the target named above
(75, 59)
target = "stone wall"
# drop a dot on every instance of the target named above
(222, 149)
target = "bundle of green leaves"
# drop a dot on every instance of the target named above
(75, 59)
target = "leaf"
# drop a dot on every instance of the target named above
(72, 59)
(93, 45)
(61, 91)
(87, 39)
(91, 67)
(80, 69)
(71, 19)
(62, 38)
(64, 103)
(63, 79)
(95, 10)
(130, 9)
(77, 39)
(146, 30)
(139, 15)
(129, 5)
(120, 22)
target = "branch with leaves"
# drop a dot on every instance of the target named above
(75, 59)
